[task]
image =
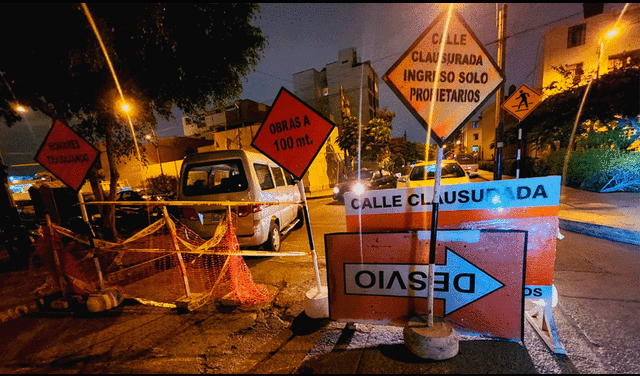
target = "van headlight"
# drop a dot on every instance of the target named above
(358, 188)
(336, 190)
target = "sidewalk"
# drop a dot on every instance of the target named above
(612, 216)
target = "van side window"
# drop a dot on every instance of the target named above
(277, 174)
(264, 176)
(215, 177)
(290, 179)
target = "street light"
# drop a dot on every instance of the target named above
(607, 37)
(154, 142)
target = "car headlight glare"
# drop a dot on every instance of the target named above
(336, 190)
(358, 188)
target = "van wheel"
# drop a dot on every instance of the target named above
(300, 218)
(273, 242)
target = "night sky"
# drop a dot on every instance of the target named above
(304, 36)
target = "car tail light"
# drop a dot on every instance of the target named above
(190, 214)
(245, 210)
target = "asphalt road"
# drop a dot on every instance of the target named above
(596, 318)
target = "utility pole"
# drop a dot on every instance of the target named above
(502, 21)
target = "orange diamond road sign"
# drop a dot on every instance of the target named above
(67, 155)
(292, 134)
(456, 83)
(522, 102)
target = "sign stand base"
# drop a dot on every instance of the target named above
(541, 320)
(438, 341)
(316, 303)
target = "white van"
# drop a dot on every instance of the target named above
(239, 175)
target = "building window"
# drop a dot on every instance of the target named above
(577, 35)
(475, 125)
(475, 148)
(577, 72)
(475, 137)
(624, 60)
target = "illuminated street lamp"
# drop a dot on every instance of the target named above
(607, 37)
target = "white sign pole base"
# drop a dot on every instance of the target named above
(437, 342)
(316, 300)
(541, 320)
(316, 303)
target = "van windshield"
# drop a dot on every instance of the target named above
(214, 177)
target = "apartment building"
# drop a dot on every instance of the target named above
(585, 48)
(598, 43)
(321, 89)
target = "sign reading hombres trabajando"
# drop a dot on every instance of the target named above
(67, 155)
(519, 204)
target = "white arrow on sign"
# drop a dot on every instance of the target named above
(458, 281)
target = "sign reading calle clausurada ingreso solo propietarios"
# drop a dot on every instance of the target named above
(454, 82)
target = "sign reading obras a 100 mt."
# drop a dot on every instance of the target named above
(292, 134)
(67, 155)
(456, 82)
(518, 204)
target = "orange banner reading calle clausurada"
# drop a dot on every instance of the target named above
(517, 204)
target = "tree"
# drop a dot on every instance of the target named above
(615, 95)
(371, 141)
(182, 55)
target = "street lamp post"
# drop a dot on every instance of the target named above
(156, 145)
(610, 34)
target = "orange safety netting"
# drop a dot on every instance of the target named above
(158, 265)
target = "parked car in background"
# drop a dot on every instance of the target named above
(365, 180)
(134, 217)
(469, 164)
(423, 174)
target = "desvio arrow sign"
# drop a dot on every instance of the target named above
(381, 278)
(458, 282)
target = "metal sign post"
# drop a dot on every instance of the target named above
(434, 232)
(292, 135)
(442, 79)
(520, 104)
(310, 235)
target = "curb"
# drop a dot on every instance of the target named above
(599, 231)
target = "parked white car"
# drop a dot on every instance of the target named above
(423, 174)
(469, 163)
(236, 176)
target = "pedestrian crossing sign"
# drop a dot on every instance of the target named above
(522, 102)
